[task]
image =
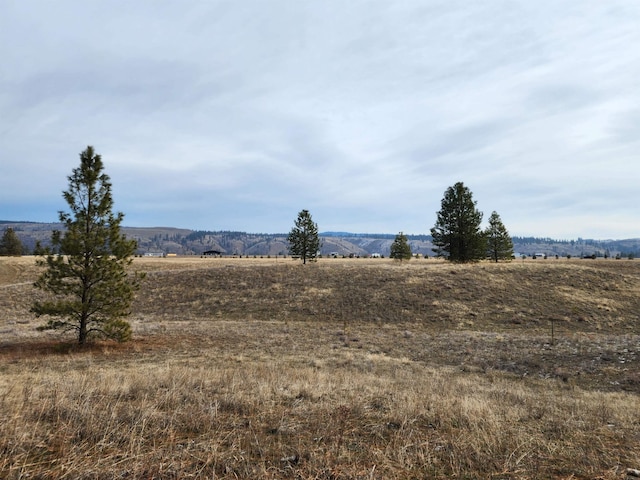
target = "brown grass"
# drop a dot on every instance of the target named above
(341, 369)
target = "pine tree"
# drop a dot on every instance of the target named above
(499, 243)
(457, 234)
(10, 243)
(90, 289)
(303, 238)
(400, 248)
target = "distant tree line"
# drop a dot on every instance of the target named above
(385, 236)
(539, 240)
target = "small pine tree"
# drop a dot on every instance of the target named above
(457, 234)
(499, 243)
(87, 278)
(303, 238)
(10, 244)
(400, 248)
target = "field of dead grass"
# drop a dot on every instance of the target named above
(244, 368)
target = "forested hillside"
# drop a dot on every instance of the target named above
(166, 240)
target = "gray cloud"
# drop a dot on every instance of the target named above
(236, 115)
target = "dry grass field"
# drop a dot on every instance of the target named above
(342, 369)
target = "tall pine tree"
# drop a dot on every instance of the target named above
(457, 235)
(87, 281)
(303, 238)
(499, 243)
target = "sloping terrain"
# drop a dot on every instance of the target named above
(346, 368)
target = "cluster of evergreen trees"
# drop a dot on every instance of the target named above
(457, 234)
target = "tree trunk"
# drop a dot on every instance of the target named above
(82, 332)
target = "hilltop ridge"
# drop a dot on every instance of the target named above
(182, 241)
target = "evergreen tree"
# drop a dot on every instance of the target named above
(400, 248)
(499, 243)
(87, 278)
(303, 238)
(457, 234)
(10, 244)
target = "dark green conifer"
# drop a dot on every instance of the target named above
(303, 238)
(400, 248)
(499, 243)
(10, 244)
(457, 235)
(90, 290)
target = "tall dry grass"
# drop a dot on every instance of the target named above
(341, 370)
(364, 416)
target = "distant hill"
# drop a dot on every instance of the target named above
(164, 240)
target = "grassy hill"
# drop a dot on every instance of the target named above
(354, 368)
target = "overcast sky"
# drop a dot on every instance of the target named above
(236, 115)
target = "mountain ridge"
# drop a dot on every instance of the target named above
(184, 241)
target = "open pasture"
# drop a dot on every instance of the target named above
(354, 368)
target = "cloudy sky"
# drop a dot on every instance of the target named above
(235, 115)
